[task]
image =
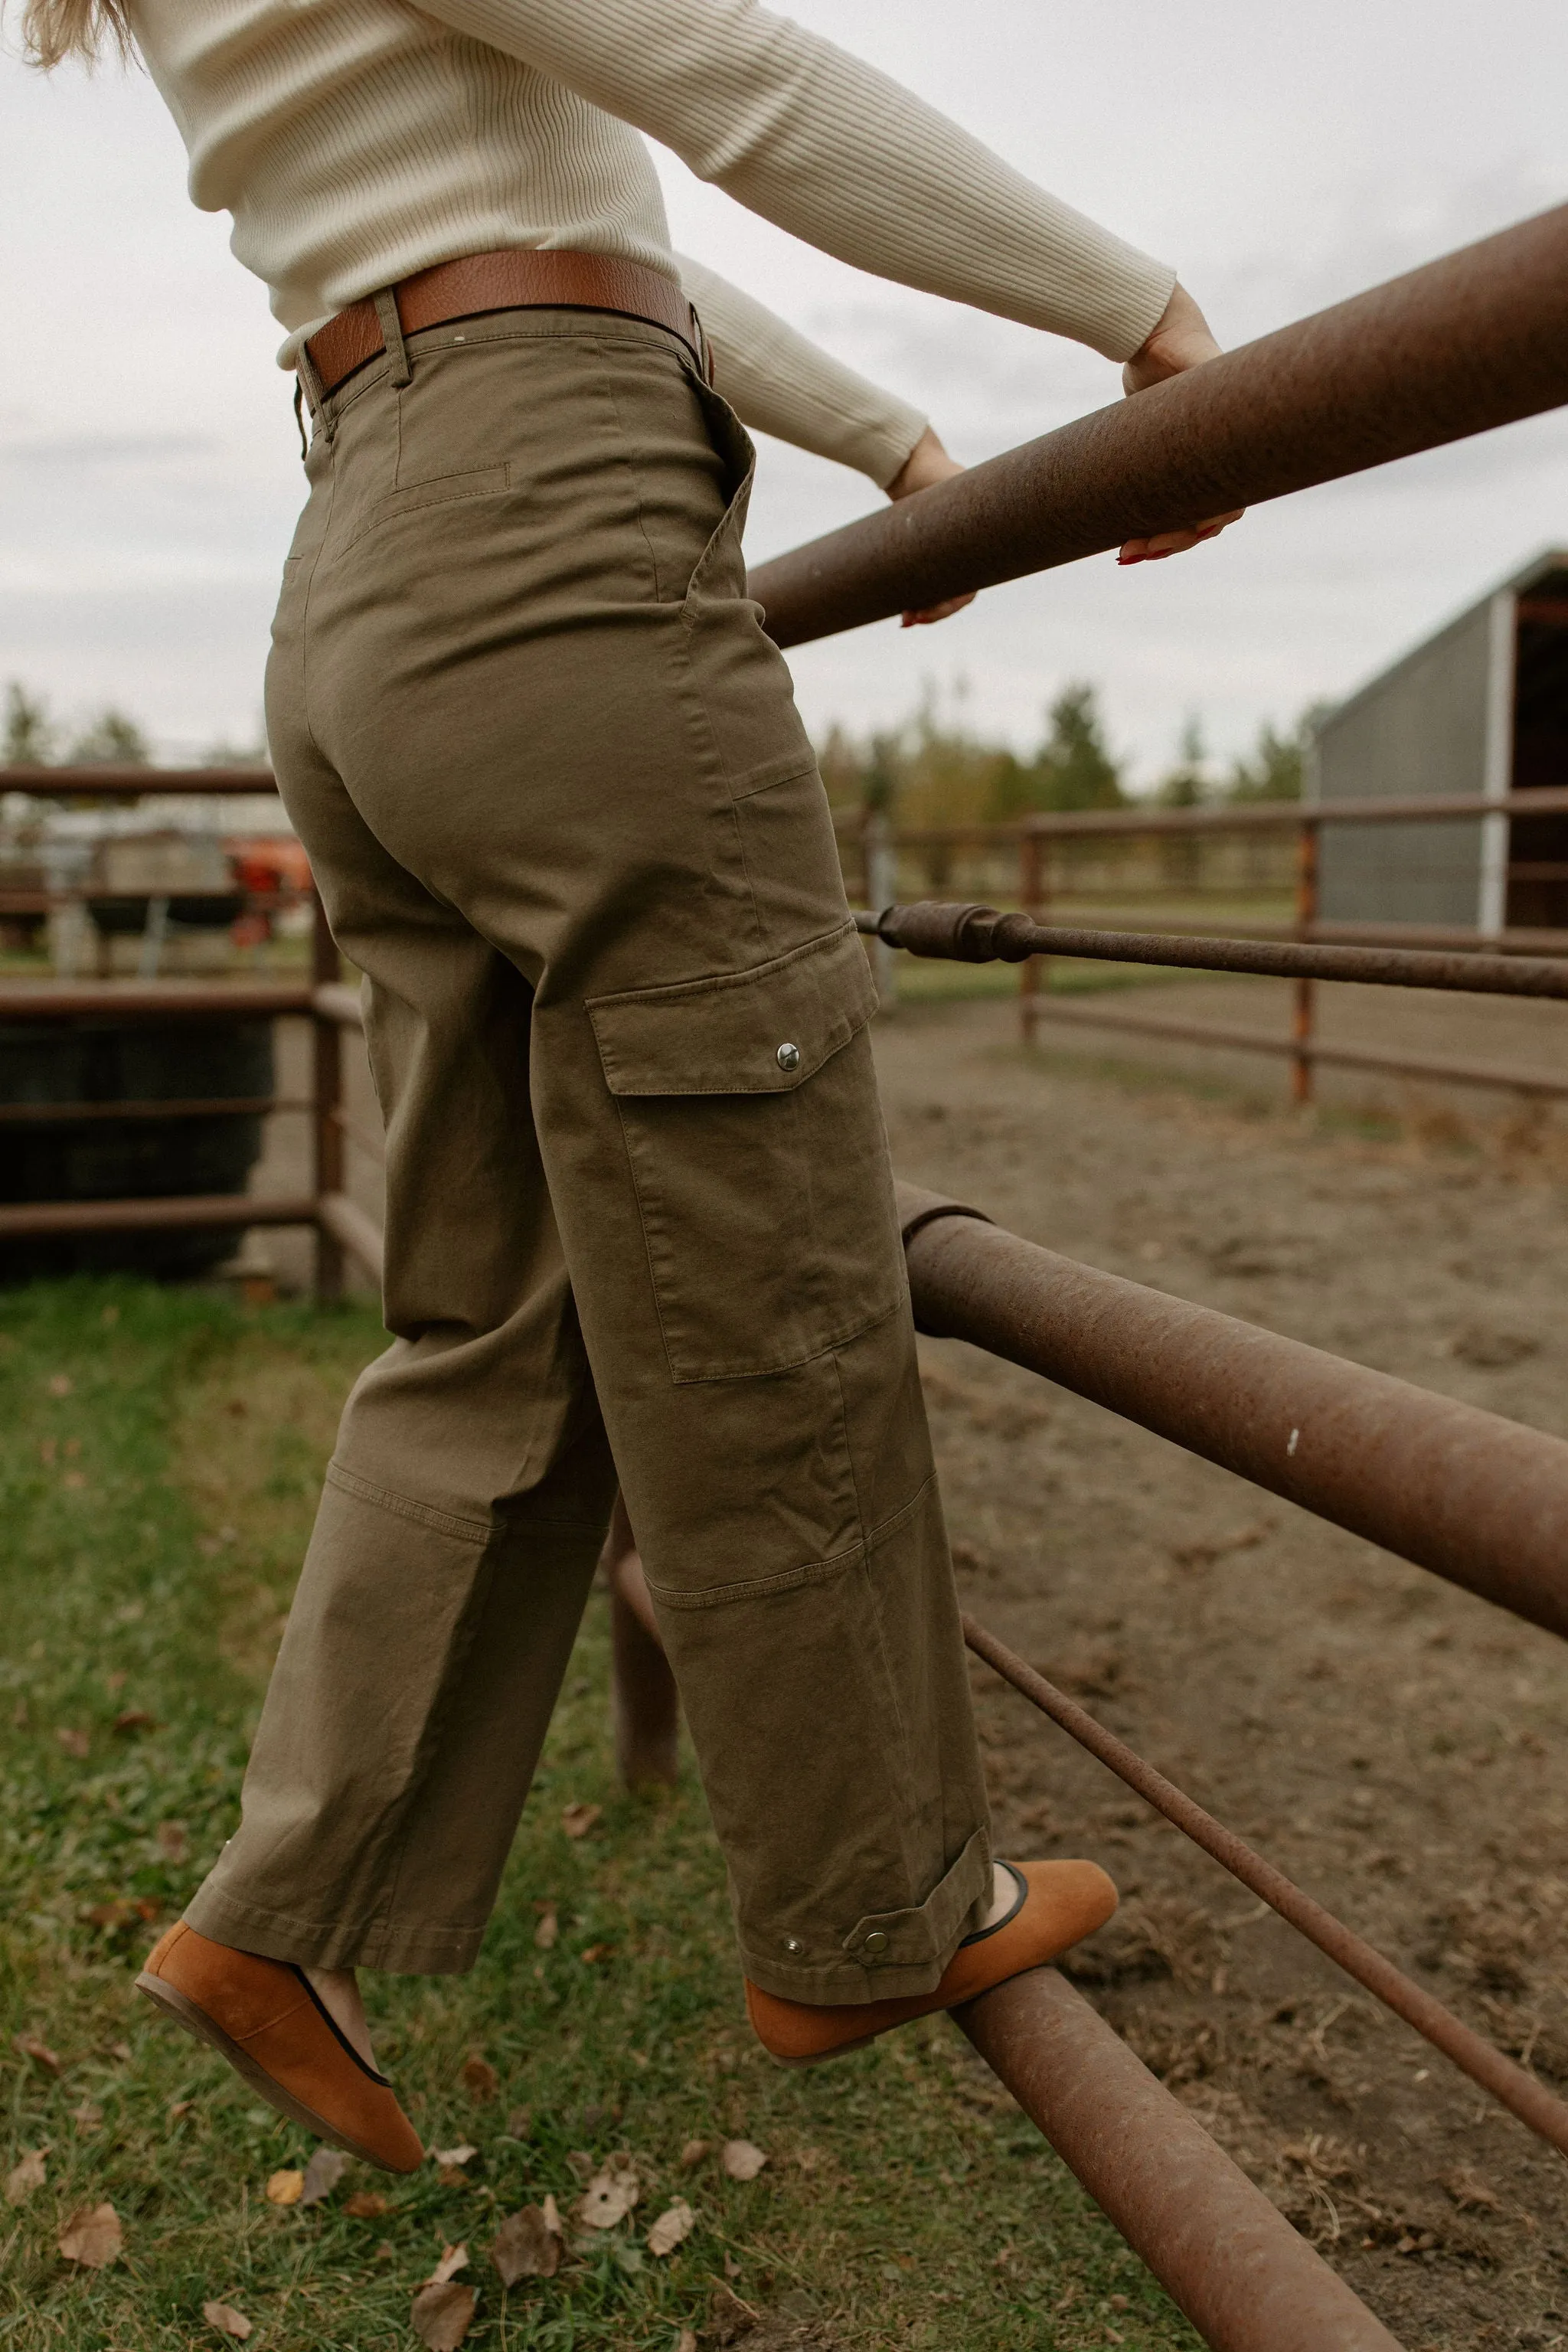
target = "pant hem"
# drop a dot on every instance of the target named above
(843, 1981)
(308, 1943)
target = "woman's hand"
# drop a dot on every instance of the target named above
(1181, 341)
(927, 464)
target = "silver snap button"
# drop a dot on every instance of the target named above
(875, 1945)
(793, 1946)
(788, 1057)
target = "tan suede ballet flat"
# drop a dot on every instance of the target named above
(268, 2020)
(1058, 1904)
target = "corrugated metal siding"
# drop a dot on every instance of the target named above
(1420, 728)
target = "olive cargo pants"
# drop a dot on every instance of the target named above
(640, 1222)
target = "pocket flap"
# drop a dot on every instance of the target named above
(743, 1033)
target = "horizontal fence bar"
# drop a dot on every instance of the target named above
(35, 1220)
(1469, 343)
(1224, 2255)
(136, 783)
(1231, 1036)
(1220, 817)
(974, 934)
(1479, 1500)
(1453, 938)
(81, 1114)
(152, 999)
(347, 1223)
(1289, 816)
(1520, 2093)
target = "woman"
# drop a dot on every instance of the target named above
(565, 819)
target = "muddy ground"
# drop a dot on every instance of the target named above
(1394, 1744)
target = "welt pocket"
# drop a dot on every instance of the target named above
(442, 489)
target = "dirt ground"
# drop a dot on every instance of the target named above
(1392, 1743)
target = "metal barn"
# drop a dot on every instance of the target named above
(1479, 708)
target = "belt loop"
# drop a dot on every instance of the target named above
(392, 335)
(704, 348)
(322, 416)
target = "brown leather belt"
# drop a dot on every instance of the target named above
(515, 279)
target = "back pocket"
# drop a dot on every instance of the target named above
(749, 1106)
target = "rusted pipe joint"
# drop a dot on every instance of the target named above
(958, 934)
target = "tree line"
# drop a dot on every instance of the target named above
(931, 771)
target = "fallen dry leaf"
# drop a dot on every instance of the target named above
(443, 2315)
(480, 2078)
(92, 2237)
(58, 1384)
(87, 2116)
(365, 2205)
(452, 2176)
(323, 2174)
(731, 2267)
(553, 2217)
(38, 2052)
(226, 2320)
(134, 1719)
(171, 1839)
(595, 1952)
(180, 2109)
(741, 2159)
(74, 1481)
(686, 2341)
(578, 1819)
(608, 2197)
(526, 2246)
(693, 2153)
(671, 2226)
(453, 2260)
(548, 1932)
(75, 1743)
(26, 2175)
(286, 2188)
(448, 2156)
(1470, 2191)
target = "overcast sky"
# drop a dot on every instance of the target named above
(1281, 157)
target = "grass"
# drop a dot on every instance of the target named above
(158, 1457)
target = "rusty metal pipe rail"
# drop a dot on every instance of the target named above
(1520, 2093)
(1480, 1501)
(974, 934)
(1230, 1037)
(33, 1220)
(1475, 340)
(1289, 816)
(1226, 2256)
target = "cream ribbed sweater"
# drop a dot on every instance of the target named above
(357, 141)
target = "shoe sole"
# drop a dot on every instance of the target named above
(825, 2057)
(183, 2011)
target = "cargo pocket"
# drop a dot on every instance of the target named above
(749, 1106)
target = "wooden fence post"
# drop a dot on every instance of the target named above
(1035, 972)
(1303, 1013)
(327, 1095)
(878, 850)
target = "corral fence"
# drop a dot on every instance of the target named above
(1472, 342)
(1038, 864)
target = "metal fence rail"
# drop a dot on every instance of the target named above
(1475, 340)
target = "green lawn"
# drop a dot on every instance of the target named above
(159, 1454)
